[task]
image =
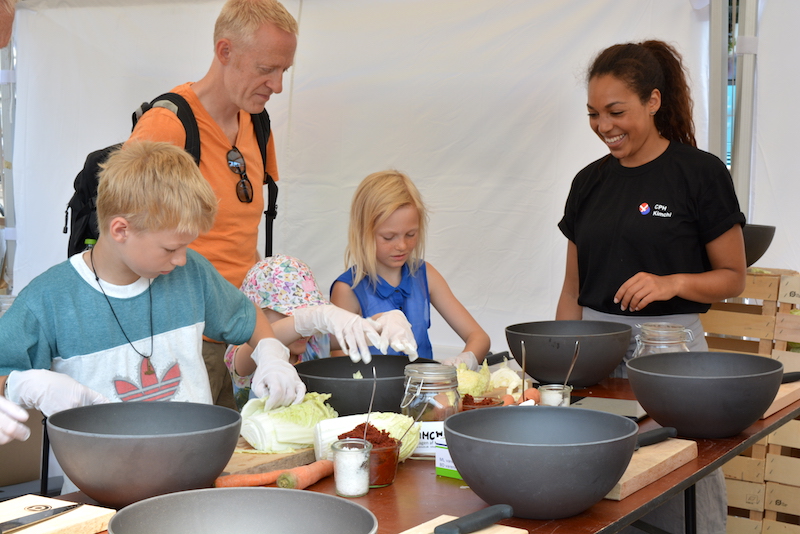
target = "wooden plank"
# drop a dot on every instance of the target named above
(782, 469)
(738, 324)
(788, 435)
(747, 495)
(790, 289)
(742, 525)
(773, 526)
(787, 327)
(762, 286)
(428, 526)
(744, 468)
(787, 394)
(790, 360)
(246, 460)
(87, 519)
(782, 498)
(650, 463)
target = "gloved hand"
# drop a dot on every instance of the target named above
(396, 333)
(275, 377)
(49, 392)
(465, 357)
(354, 333)
(11, 419)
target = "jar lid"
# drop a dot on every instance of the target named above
(430, 371)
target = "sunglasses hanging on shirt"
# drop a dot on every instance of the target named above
(244, 189)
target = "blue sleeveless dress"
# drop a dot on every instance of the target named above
(411, 297)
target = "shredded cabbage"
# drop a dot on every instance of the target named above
(505, 377)
(286, 428)
(474, 383)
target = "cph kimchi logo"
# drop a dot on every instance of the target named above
(152, 388)
(644, 208)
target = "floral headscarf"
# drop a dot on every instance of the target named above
(282, 283)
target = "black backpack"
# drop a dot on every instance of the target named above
(81, 215)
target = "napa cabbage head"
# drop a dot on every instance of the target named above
(286, 428)
(474, 383)
(505, 377)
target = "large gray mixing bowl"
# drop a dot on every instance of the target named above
(351, 395)
(549, 346)
(705, 394)
(546, 462)
(244, 510)
(121, 453)
(757, 239)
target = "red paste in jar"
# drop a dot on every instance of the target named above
(384, 455)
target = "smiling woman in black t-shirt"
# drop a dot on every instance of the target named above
(654, 228)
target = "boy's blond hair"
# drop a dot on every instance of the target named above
(378, 196)
(239, 19)
(155, 186)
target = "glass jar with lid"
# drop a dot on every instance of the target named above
(430, 396)
(662, 337)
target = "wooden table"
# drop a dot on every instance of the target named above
(418, 495)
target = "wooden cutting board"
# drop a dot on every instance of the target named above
(87, 519)
(427, 527)
(787, 394)
(650, 463)
(247, 460)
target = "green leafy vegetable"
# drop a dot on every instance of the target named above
(286, 428)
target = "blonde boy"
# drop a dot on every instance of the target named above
(124, 321)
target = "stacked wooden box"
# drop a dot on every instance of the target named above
(764, 482)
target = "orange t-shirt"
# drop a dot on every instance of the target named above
(231, 245)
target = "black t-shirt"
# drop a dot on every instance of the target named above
(655, 218)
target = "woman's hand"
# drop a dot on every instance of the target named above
(643, 288)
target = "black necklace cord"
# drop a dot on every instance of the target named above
(150, 369)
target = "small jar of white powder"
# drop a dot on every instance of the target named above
(351, 466)
(554, 395)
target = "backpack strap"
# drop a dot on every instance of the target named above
(261, 125)
(181, 108)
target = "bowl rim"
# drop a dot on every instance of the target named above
(704, 377)
(622, 328)
(634, 428)
(51, 426)
(304, 493)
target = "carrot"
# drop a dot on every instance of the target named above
(248, 479)
(532, 393)
(305, 475)
(508, 400)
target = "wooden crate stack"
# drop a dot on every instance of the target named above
(763, 483)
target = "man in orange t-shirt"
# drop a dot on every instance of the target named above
(254, 44)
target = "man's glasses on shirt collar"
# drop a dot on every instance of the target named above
(244, 189)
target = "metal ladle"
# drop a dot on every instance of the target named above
(574, 358)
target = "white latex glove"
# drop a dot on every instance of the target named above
(465, 357)
(275, 377)
(354, 333)
(396, 333)
(11, 419)
(49, 392)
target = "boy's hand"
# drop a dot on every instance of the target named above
(275, 377)
(396, 333)
(11, 419)
(49, 392)
(467, 358)
(353, 332)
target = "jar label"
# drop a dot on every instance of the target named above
(429, 432)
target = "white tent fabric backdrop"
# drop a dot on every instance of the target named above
(775, 190)
(481, 102)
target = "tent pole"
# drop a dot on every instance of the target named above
(718, 79)
(742, 151)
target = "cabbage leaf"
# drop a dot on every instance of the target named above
(286, 428)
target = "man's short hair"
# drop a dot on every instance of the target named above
(239, 19)
(155, 186)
